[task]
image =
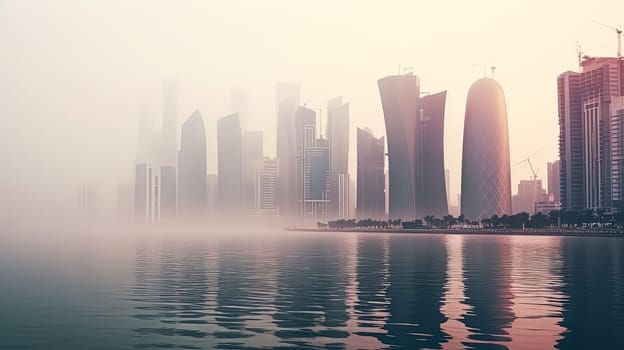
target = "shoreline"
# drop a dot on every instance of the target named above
(476, 231)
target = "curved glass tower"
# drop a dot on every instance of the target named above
(486, 174)
(192, 182)
(415, 133)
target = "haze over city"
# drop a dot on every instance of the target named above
(77, 75)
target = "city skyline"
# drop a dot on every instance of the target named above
(87, 115)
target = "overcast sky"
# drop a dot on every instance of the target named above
(74, 75)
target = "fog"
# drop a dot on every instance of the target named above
(76, 75)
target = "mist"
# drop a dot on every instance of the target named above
(76, 76)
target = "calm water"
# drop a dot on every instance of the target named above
(71, 289)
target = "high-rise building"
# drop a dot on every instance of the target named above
(430, 184)
(305, 137)
(252, 152)
(338, 137)
(529, 193)
(617, 152)
(192, 168)
(168, 193)
(585, 130)
(371, 197)
(265, 185)
(286, 102)
(229, 149)
(169, 134)
(554, 180)
(415, 131)
(486, 173)
(571, 157)
(143, 192)
(316, 182)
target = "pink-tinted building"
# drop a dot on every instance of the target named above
(486, 173)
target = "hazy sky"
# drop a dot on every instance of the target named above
(74, 75)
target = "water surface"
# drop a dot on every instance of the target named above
(205, 289)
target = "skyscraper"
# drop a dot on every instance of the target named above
(431, 198)
(338, 137)
(486, 174)
(554, 180)
(265, 185)
(316, 184)
(585, 132)
(169, 134)
(168, 193)
(229, 149)
(192, 168)
(286, 102)
(305, 137)
(142, 192)
(252, 152)
(572, 184)
(371, 197)
(415, 131)
(617, 152)
(399, 99)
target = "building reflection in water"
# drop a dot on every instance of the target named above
(487, 290)
(171, 294)
(416, 287)
(593, 312)
(245, 295)
(372, 304)
(454, 299)
(311, 292)
(370, 291)
(537, 280)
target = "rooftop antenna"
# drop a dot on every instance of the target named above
(618, 32)
(492, 68)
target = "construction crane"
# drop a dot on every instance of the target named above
(618, 31)
(579, 53)
(528, 160)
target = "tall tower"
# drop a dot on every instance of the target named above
(430, 192)
(486, 173)
(338, 137)
(305, 137)
(585, 131)
(229, 149)
(371, 197)
(192, 180)
(399, 99)
(415, 132)
(571, 155)
(286, 102)
(169, 135)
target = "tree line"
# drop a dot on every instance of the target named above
(556, 218)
